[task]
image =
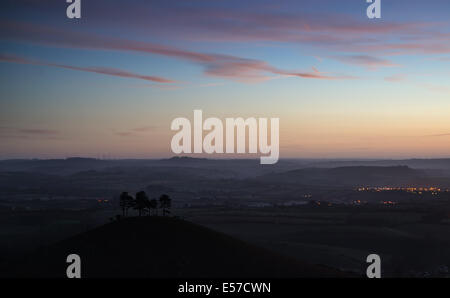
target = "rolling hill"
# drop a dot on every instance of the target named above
(350, 176)
(157, 247)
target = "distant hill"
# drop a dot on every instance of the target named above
(436, 163)
(349, 176)
(233, 168)
(157, 247)
(52, 166)
(183, 159)
(230, 168)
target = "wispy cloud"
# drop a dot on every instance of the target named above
(34, 131)
(124, 134)
(418, 45)
(435, 87)
(213, 21)
(439, 135)
(248, 70)
(137, 131)
(225, 66)
(28, 133)
(145, 128)
(98, 70)
(367, 61)
(396, 78)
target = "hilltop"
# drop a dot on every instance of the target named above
(157, 247)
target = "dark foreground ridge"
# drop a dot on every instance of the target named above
(162, 247)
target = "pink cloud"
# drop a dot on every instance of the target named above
(256, 24)
(125, 134)
(29, 133)
(328, 30)
(99, 70)
(254, 71)
(396, 78)
(370, 62)
(145, 128)
(115, 72)
(403, 48)
(341, 32)
(440, 135)
(34, 131)
(62, 38)
(436, 88)
(226, 66)
(136, 131)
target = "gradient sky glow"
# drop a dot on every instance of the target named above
(109, 84)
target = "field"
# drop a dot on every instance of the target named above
(340, 237)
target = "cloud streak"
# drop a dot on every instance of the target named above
(225, 66)
(137, 131)
(367, 61)
(439, 135)
(99, 70)
(28, 133)
(34, 131)
(396, 78)
(212, 21)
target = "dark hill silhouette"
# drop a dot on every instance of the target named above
(185, 159)
(350, 176)
(442, 163)
(157, 247)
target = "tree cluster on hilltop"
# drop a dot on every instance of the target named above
(144, 205)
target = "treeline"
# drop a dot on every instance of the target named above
(144, 205)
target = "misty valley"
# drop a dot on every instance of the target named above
(308, 217)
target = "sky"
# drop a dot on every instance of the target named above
(108, 85)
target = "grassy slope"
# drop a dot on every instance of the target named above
(157, 247)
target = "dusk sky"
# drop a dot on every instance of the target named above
(109, 84)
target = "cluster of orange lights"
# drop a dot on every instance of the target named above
(318, 203)
(419, 190)
(358, 202)
(389, 203)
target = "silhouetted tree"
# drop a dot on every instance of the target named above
(122, 202)
(141, 202)
(152, 205)
(165, 203)
(126, 202)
